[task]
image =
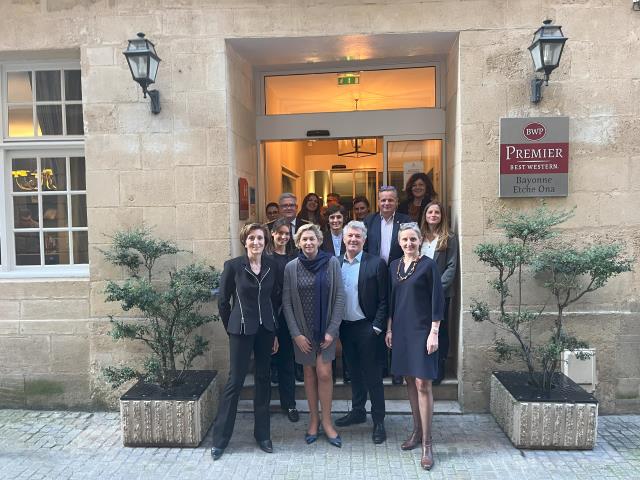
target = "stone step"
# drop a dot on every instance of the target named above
(447, 390)
(393, 407)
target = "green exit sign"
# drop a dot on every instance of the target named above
(349, 79)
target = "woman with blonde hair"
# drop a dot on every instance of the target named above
(441, 245)
(313, 305)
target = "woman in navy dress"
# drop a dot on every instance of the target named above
(417, 307)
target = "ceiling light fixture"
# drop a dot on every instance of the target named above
(357, 147)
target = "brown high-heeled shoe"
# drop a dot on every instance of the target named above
(413, 440)
(426, 461)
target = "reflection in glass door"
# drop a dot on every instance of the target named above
(406, 156)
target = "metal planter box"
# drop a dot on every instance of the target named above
(565, 420)
(181, 417)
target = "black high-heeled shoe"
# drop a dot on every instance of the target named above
(336, 441)
(310, 438)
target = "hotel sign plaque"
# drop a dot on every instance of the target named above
(534, 157)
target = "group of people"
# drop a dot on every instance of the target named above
(384, 279)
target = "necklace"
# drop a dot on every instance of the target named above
(410, 270)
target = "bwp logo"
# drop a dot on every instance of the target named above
(534, 131)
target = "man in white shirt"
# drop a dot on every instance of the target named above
(382, 227)
(366, 280)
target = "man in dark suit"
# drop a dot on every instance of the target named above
(382, 227)
(365, 279)
(288, 205)
(382, 240)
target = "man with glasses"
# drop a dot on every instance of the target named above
(382, 240)
(288, 204)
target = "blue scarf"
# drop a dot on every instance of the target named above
(318, 266)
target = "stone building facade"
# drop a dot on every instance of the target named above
(178, 170)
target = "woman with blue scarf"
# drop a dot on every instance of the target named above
(313, 304)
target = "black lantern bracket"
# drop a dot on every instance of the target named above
(143, 63)
(154, 97)
(536, 89)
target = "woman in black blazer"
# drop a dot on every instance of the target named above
(441, 245)
(251, 281)
(335, 215)
(420, 192)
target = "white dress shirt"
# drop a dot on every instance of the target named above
(386, 237)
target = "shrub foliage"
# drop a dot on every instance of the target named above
(568, 272)
(167, 309)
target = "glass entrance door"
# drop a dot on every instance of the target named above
(406, 155)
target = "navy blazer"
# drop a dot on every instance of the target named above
(373, 289)
(372, 245)
(253, 296)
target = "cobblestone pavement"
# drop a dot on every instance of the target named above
(76, 445)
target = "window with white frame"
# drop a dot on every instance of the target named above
(44, 228)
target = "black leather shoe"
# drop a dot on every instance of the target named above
(351, 418)
(293, 415)
(266, 446)
(379, 433)
(397, 380)
(216, 453)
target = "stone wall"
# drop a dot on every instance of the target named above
(177, 171)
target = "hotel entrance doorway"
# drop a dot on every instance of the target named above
(349, 167)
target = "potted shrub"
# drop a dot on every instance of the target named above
(170, 405)
(542, 408)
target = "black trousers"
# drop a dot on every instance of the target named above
(361, 348)
(283, 361)
(240, 348)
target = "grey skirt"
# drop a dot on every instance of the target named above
(309, 359)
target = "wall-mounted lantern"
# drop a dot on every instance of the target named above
(143, 63)
(546, 50)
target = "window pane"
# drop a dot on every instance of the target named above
(56, 248)
(48, 86)
(78, 210)
(19, 87)
(54, 174)
(78, 178)
(24, 172)
(27, 248)
(54, 211)
(72, 85)
(74, 120)
(336, 92)
(20, 121)
(25, 211)
(80, 247)
(49, 119)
